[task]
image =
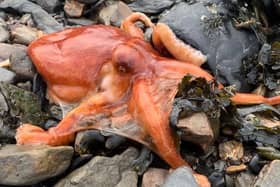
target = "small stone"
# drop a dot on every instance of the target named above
(154, 177)
(7, 76)
(114, 14)
(232, 150)
(269, 175)
(27, 165)
(22, 65)
(4, 34)
(197, 129)
(7, 49)
(49, 5)
(73, 8)
(102, 171)
(24, 35)
(181, 177)
(236, 169)
(244, 179)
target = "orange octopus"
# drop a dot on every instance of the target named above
(119, 83)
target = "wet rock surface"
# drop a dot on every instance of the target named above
(104, 171)
(27, 165)
(213, 33)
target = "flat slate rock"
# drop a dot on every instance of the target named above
(206, 25)
(27, 165)
(104, 171)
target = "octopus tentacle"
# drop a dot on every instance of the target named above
(163, 37)
(156, 125)
(246, 99)
(129, 27)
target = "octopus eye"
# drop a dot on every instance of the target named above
(123, 67)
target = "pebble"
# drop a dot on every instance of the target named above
(151, 7)
(181, 177)
(104, 171)
(27, 165)
(50, 6)
(235, 169)
(197, 129)
(4, 34)
(73, 8)
(269, 175)
(154, 177)
(22, 65)
(23, 34)
(232, 150)
(7, 76)
(42, 19)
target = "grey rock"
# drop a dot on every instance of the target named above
(151, 7)
(102, 171)
(27, 165)
(244, 179)
(80, 21)
(197, 129)
(24, 35)
(4, 34)
(42, 19)
(7, 76)
(181, 177)
(269, 175)
(50, 6)
(224, 45)
(6, 50)
(22, 65)
(154, 177)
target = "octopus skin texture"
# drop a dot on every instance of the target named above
(119, 84)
